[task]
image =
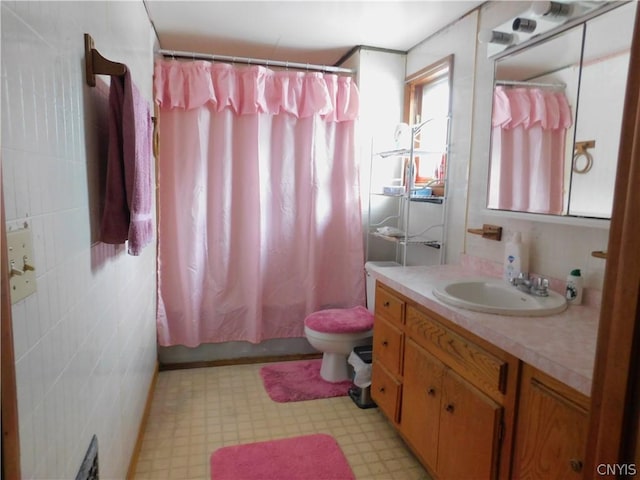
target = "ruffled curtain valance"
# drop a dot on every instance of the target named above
(255, 89)
(527, 107)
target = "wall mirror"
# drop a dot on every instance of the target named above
(557, 113)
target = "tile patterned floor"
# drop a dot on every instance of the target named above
(195, 412)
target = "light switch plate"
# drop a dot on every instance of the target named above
(22, 281)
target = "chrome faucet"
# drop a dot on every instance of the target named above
(537, 286)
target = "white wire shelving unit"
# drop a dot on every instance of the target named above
(397, 227)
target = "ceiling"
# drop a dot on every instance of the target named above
(315, 32)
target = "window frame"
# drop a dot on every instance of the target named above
(414, 86)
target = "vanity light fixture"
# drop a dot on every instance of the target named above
(549, 9)
(494, 36)
(540, 18)
(525, 25)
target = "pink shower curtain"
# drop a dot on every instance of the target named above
(529, 131)
(259, 221)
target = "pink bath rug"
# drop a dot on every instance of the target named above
(316, 457)
(299, 380)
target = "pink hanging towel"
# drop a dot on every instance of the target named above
(115, 216)
(128, 201)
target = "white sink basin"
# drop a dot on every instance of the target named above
(495, 296)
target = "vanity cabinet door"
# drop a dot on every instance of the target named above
(422, 393)
(551, 429)
(470, 425)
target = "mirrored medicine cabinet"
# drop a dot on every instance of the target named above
(556, 119)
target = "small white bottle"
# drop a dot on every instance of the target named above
(574, 287)
(516, 258)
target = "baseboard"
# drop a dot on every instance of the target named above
(239, 361)
(143, 425)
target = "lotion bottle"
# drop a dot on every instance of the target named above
(574, 287)
(516, 258)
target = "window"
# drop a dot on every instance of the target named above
(428, 100)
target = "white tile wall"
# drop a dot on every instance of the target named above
(85, 343)
(457, 39)
(378, 71)
(555, 248)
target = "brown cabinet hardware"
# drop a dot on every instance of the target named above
(576, 465)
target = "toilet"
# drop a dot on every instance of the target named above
(336, 332)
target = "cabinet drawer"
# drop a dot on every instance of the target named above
(470, 360)
(385, 391)
(389, 306)
(387, 345)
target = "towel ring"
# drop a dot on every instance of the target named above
(582, 151)
(588, 162)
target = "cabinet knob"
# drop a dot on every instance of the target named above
(381, 389)
(449, 408)
(386, 304)
(385, 343)
(431, 391)
(576, 465)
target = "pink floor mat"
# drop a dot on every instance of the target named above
(299, 380)
(316, 457)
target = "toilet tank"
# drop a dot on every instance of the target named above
(371, 282)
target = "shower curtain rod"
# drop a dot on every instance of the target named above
(516, 83)
(255, 61)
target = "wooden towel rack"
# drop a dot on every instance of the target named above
(96, 64)
(491, 232)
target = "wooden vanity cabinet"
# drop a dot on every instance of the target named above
(551, 430)
(454, 394)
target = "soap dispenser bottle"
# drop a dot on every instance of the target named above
(516, 258)
(574, 287)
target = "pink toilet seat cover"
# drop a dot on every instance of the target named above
(340, 320)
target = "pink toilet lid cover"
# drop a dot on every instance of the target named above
(340, 320)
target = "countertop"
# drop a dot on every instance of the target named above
(561, 345)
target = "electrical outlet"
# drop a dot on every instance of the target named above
(22, 271)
